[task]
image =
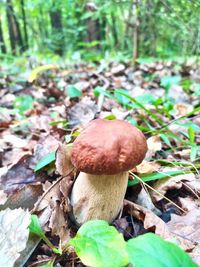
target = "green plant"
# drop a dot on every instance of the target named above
(100, 245)
(35, 228)
(23, 104)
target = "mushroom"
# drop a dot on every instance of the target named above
(104, 152)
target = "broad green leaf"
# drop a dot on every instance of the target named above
(73, 92)
(150, 250)
(34, 73)
(99, 245)
(45, 161)
(156, 176)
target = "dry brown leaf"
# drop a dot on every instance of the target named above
(147, 167)
(82, 113)
(3, 197)
(186, 228)
(181, 109)
(150, 220)
(54, 206)
(14, 140)
(14, 234)
(58, 224)
(154, 144)
(174, 182)
(188, 203)
(63, 160)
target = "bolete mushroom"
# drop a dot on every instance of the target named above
(104, 152)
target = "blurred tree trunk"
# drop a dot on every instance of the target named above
(24, 24)
(136, 31)
(57, 30)
(114, 30)
(93, 25)
(14, 30)
(2, 43)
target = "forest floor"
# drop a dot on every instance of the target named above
(41, 114)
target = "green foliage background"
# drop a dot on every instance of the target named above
(167, 28)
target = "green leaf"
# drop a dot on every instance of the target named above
(23, 103)
(45, 161)
(100, 90)
(168, 81)
(35, 227)
(73, 92)
(191, 134)
(99, 245)
(122, 99)
(156, 176)
(48, 264)
(193, 153)
(165, 139)
(150, 250)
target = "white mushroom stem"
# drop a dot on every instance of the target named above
(98, 196)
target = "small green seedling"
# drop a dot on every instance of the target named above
(36, 229)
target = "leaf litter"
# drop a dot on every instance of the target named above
(29, 133)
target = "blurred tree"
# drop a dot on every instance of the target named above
(137, 28)
(14, 29)
(93, 31)
(56, 25)
(2, 43)
(24, 24)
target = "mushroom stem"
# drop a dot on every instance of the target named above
(98, 196)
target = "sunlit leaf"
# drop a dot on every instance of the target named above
(99, 245)
(150, 250)
(34, 73)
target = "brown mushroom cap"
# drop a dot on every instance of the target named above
(108, 147)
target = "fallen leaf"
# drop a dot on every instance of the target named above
(154, 144)
(16, 177)
(24, 197)
(147, 167)
(54, 205)
(3, 197)
(82, 112)
(186, 228)
(173, 182)
(63, 160)
(14, 234)
(187, 203)
(150, 220)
